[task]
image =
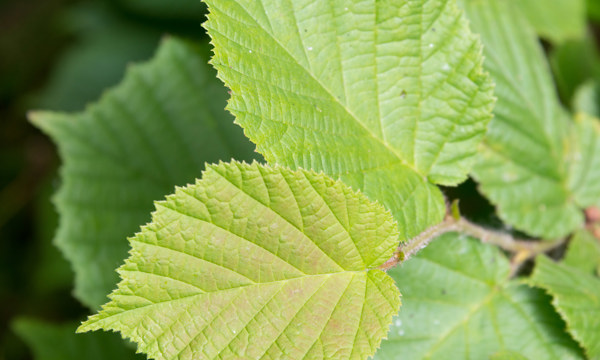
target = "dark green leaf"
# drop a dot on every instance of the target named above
(154, 131)
(576, 297)
(458, 303)
(60, 342)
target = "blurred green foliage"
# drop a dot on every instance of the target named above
(43, 339)
(573, 62)
(63, 54)
(58, 55)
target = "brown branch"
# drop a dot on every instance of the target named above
(523, 249)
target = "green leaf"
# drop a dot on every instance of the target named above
(387, 95)
(51, 272)
(593, 9)
(254, 262)
(458, 303)
(576, 297)
(523, 167)
(587, 98)
(584, 179)
(154, 131)
(573, 63)
(507, 355)
(59, 342)
(583, 252)
(556, 20)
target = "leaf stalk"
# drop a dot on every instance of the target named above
(523, 249)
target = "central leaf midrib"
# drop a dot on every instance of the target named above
(478, 306)
(237, 288)
(323, 325)
(328, 256)
(527, 168)
(528, 319)
(387, 146)
(347, 231)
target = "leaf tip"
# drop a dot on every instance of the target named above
(40, 118)
(87, 325)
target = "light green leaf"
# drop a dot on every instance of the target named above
(556, 20)
(573, 63)
(458, 303)
(254, 262)
(583, 252)
(387, 95)
(587, 98)
(507, 355)
(584, 179)
(59, 342)
(576, 297)
(523, 167)
(154, 131)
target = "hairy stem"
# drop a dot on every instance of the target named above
(506, 241)
(523, 249)
(417, 243)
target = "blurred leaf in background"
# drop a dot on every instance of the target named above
(30, 39)
(133, 146)
(52, 272)
(58, 55)
(593, 9)
(56, 342)
(587, 98)
(573, 62)
(105, 42)
(556, 20)
(179, 10)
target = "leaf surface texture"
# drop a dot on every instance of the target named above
(457, 299)
(576, 297)
(132, 147)
(387, 95)
(254, 262)
(584, 252)
(526, 163)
